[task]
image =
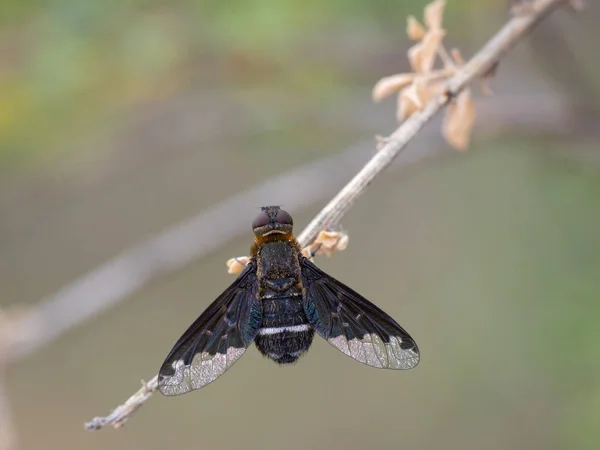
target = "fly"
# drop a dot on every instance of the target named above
(279, 301)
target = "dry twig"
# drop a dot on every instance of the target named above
(481, 63)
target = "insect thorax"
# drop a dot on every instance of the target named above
(278, 270)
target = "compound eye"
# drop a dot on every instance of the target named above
(284, 218)
(261, 220)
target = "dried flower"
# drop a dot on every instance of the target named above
(236, 265)
(416, 89)
(434, 14)
(326, 243)
(414, 97)
(390, 85)
(459, 120)
(414, 29)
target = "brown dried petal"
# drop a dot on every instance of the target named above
(342, 243)
(408, 102)
(430, 46)
(236, 265)
(389, 85)
(326, 243)
(459, 120)
(431, 88)
(415, 55)
(414, 29)
(434, 14)
(327, 238)
(319, 249)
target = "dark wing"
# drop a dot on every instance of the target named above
(216, 339)
(354, 325)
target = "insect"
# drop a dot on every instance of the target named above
(279, 301)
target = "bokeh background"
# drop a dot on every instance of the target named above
(122, 119)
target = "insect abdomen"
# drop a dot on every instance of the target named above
(285, 333)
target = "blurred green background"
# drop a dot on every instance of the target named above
(119, 119)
